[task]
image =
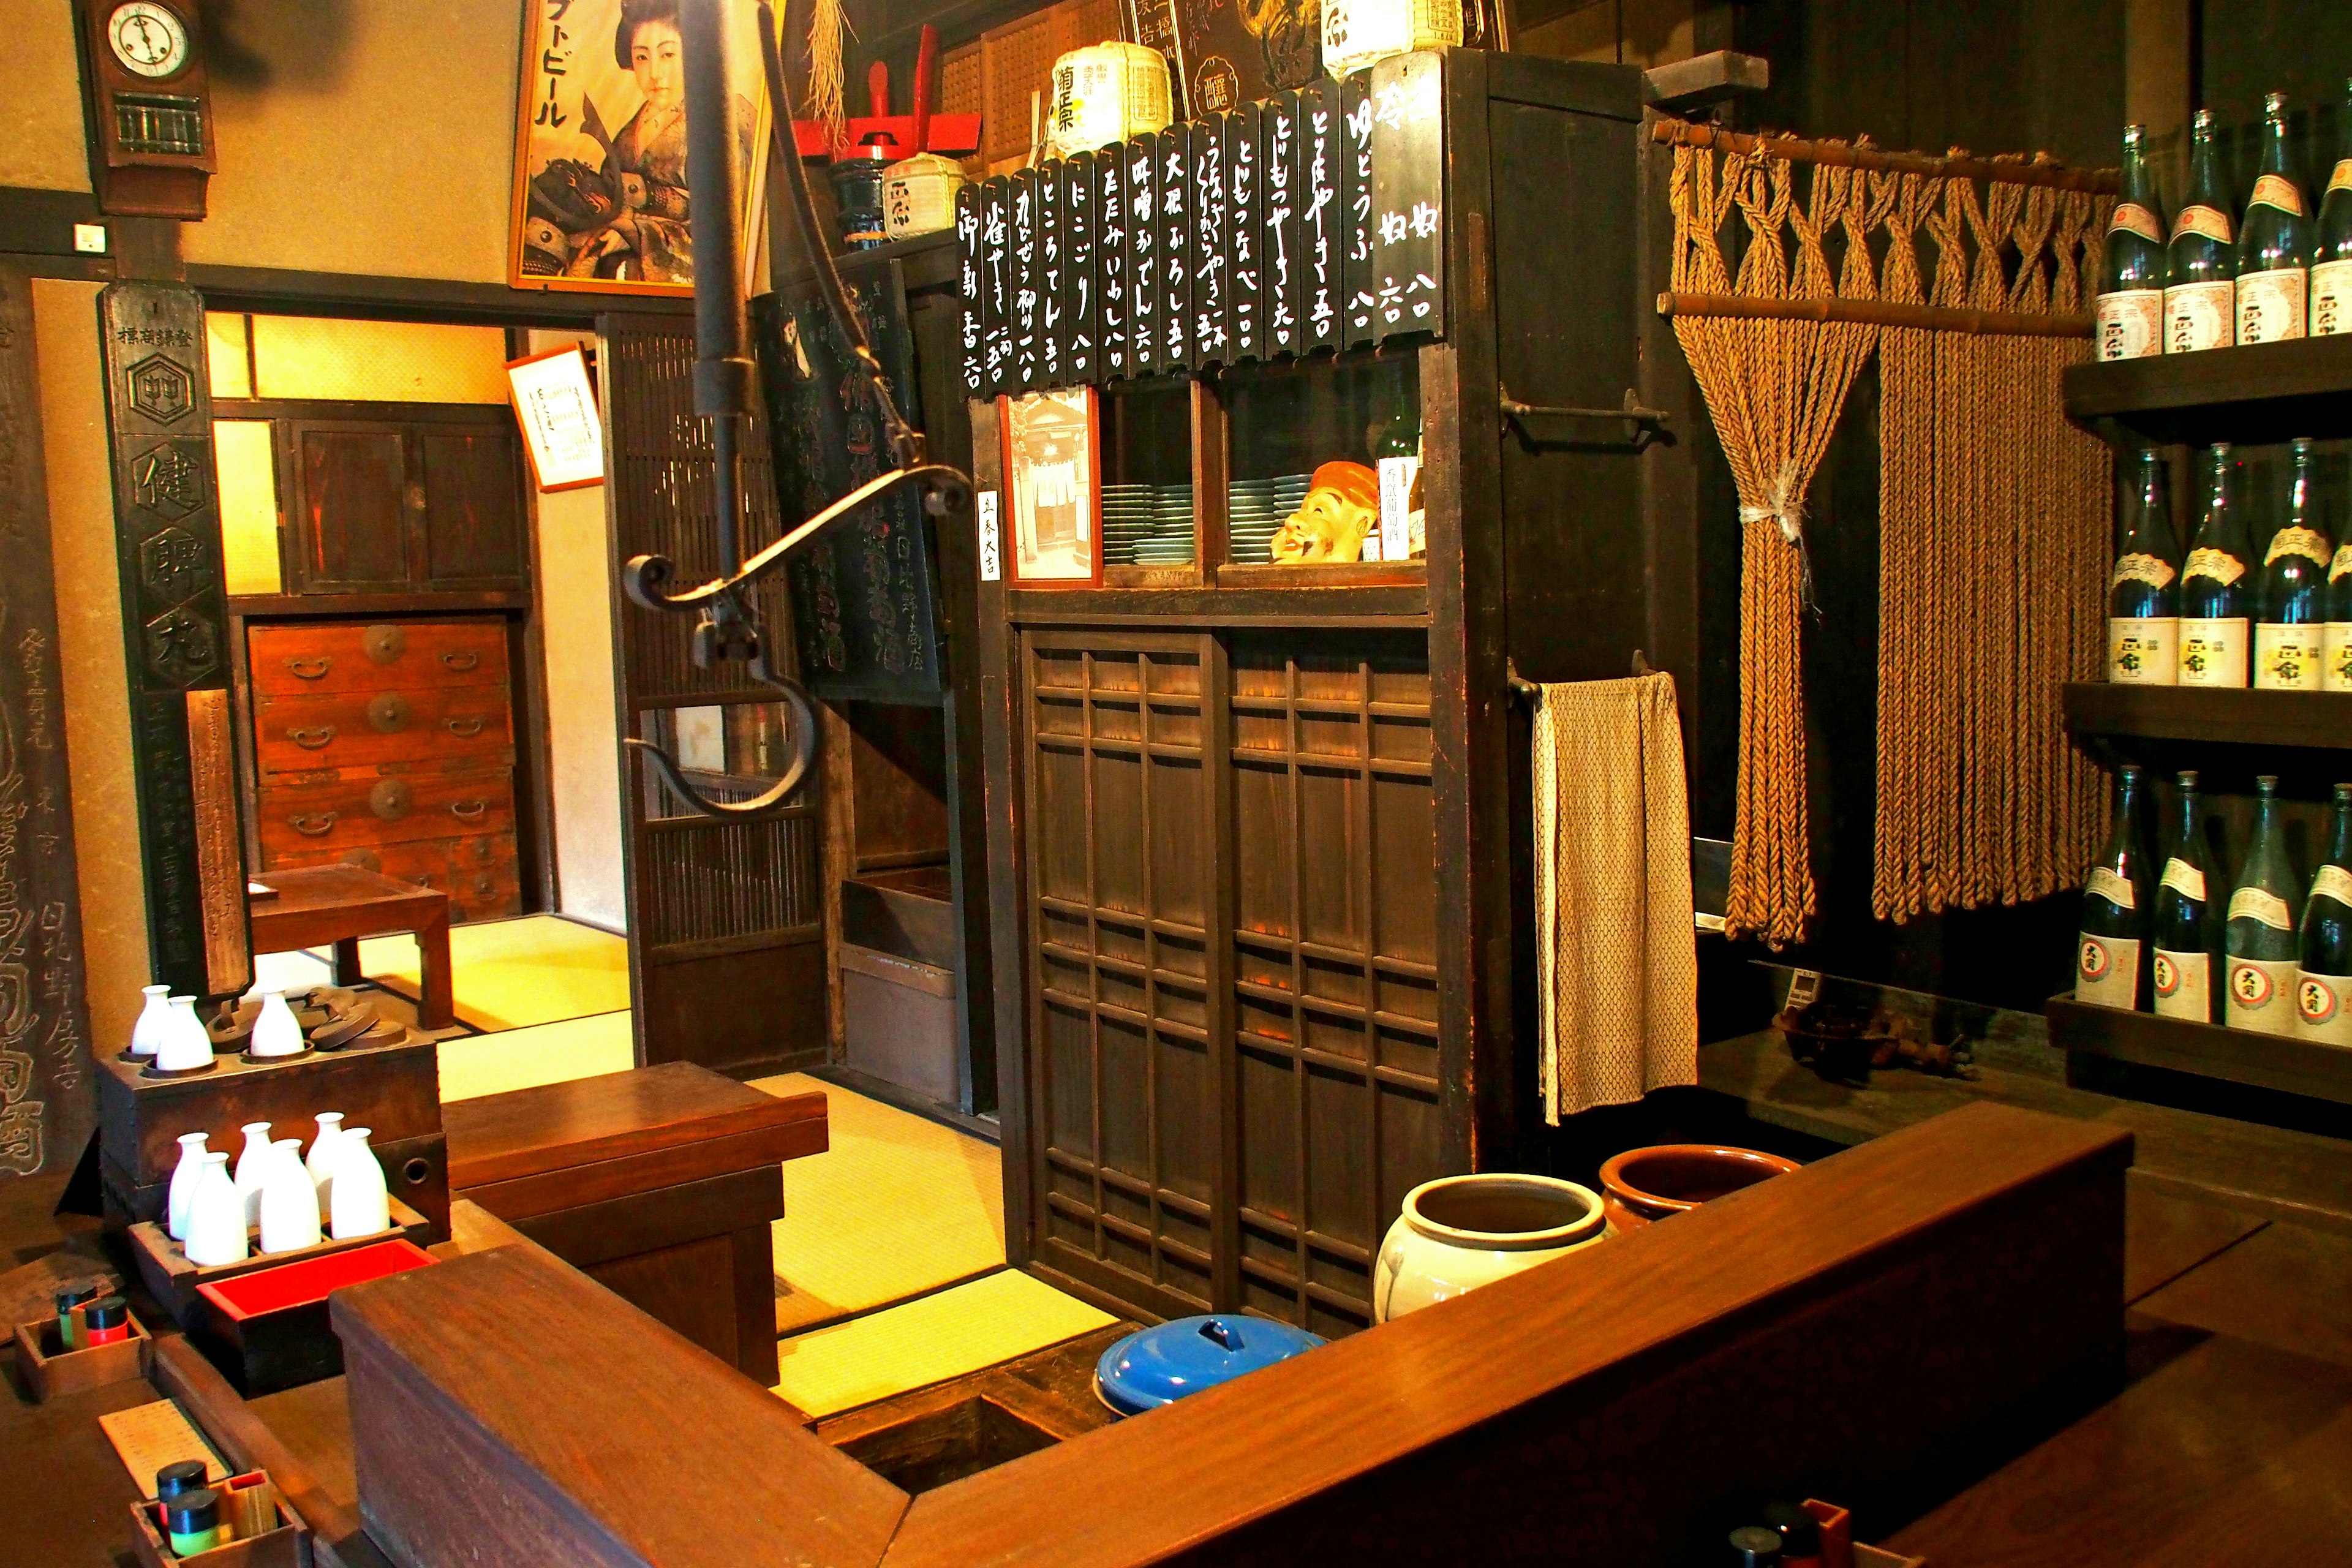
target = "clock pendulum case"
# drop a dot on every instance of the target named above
(149, 111)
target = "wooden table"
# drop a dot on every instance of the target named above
(660, 1183)
(341, 904)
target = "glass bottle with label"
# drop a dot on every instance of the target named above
(1395, 442)
(2289, 640)
(2130, 307)
(2274, 246)
(2111, 957)
(2264, 908)
(2200, 261)
(2144, 590)
(2324, 991)
(2216, 589)
(2336, 654)
(2331, 249)
(2186, 936)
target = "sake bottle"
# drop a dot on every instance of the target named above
(2216, 593)
(2144, 591)
(2336, 656)
(2274, 248)
(2331, 249)
(2130, 306)
(2324, 990)
(2111, 957)
(2186, 936)
(2201, 262)
(2264, 908)
(2290, 638)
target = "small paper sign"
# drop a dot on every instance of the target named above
(992, 539)
(556, 407)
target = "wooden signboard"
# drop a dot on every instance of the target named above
(1053, 274)
(1246, 215)
(1317, 238)
(1178, 249)
(995, 286)
(1144, 281)
(1356, 196)
(1408, 271)
(1021, 247)
(1211, 251)
(46, 1104)
(969, 335)
(1113, 289)
(1278, 148)
(1081, 222)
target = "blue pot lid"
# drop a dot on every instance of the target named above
(1156, 1366)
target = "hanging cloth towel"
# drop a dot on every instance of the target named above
(1616, 956)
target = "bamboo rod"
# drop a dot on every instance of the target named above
(2005, 171)
(1879, 313)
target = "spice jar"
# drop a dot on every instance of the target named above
(106, 1321)
(193, 1522)
(80, 1293)
(179, 1476)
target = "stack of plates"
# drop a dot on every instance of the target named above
(1147, 525)
(1256, 510)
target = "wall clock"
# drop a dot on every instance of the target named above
(147, 107)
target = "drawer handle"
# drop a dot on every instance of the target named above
(461, 661)
(390, 799)
(484, 886)
(311, 668)
(470, 810)
(314, 825)
(387, 712)
(465, 728)
(312, 739)
(384, 645)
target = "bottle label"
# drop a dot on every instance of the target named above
(2141, 567)
(2130, 217)
(2212, 653)
(2309, 543)
(2256, 904)
(2341, 180)
(2107, 971)
(2184, 986)
(2319, 1004)
(2341, 565)
(2270, 305)
(2197, 315)
(2336, 657)
(2219, 564)
(2289, 658)
(2211, 222)
(2106, 883)
(2131, 324)
(2276, 190)
(1396, 475)
(2331, 296)
(2184, 879)
(2144, 652)
(2262, 995)
(2333, 883)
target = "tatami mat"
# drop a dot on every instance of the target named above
(544, 1053)
(895, 1206)
(508, 974)
(997, 1319)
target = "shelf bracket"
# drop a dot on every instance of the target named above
(1645, 427)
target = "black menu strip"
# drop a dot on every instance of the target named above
(1320, 209)
(968, 330)
(1079, 227)
(1178, 249)
(996, 286)
(1278, 153)
(1110, 268)
(1145, 279)
(1053, 278)
(1213, 252)
(1025, 272)
(1356, 210)
(1408, 195)
(1246, 216)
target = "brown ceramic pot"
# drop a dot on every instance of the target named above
(1645, 1184)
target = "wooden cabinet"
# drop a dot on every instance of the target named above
(389, 744)
(384, 505)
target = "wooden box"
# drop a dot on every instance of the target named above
(50, 1369)
(393, 1090)
(285, 1546)
(172, 1280)
(274, 1322)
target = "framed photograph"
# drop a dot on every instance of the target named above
(556, 406)
(600, 185)
(1052, 475)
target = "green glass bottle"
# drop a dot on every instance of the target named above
(2143, 589)
(2324, 992)
(2111, 959)
(2274, 243)
(2265, 907)
(2188, 938)
(2130, 306)
(2200, 261)
(1396, 458)
(2290, 638)
(2331, 248)
(2217, 593)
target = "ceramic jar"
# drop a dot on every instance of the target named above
(1642, 1186)
(184, 1046)
(1458, 1233)
(359, 1204)
(252, 1169)
(289, 1204)
(277, 1031)
(215, 1216)
(182, 1190)
(324, 1149)
(154, 1020)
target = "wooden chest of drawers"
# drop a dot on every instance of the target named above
(389, 744)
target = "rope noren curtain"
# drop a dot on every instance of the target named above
(1993, 515)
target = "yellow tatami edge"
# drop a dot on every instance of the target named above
(998, 1319)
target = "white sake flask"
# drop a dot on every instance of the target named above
(289, 1204)
(359, 1204)
(215, 1216)
(276, 1033)
(184, 1176)
(184, 1043)
(324, 1149)
(154, 1020)
(252, 1169)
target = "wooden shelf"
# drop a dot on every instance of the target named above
(2263, 393)
(2209, 1050)
(2208, 713)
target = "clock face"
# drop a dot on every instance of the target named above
(147, 40)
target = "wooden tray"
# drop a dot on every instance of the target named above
(287, 1546)
(163, 1264)
(274, 1323)
(50, 1369)
(2278, 1062)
